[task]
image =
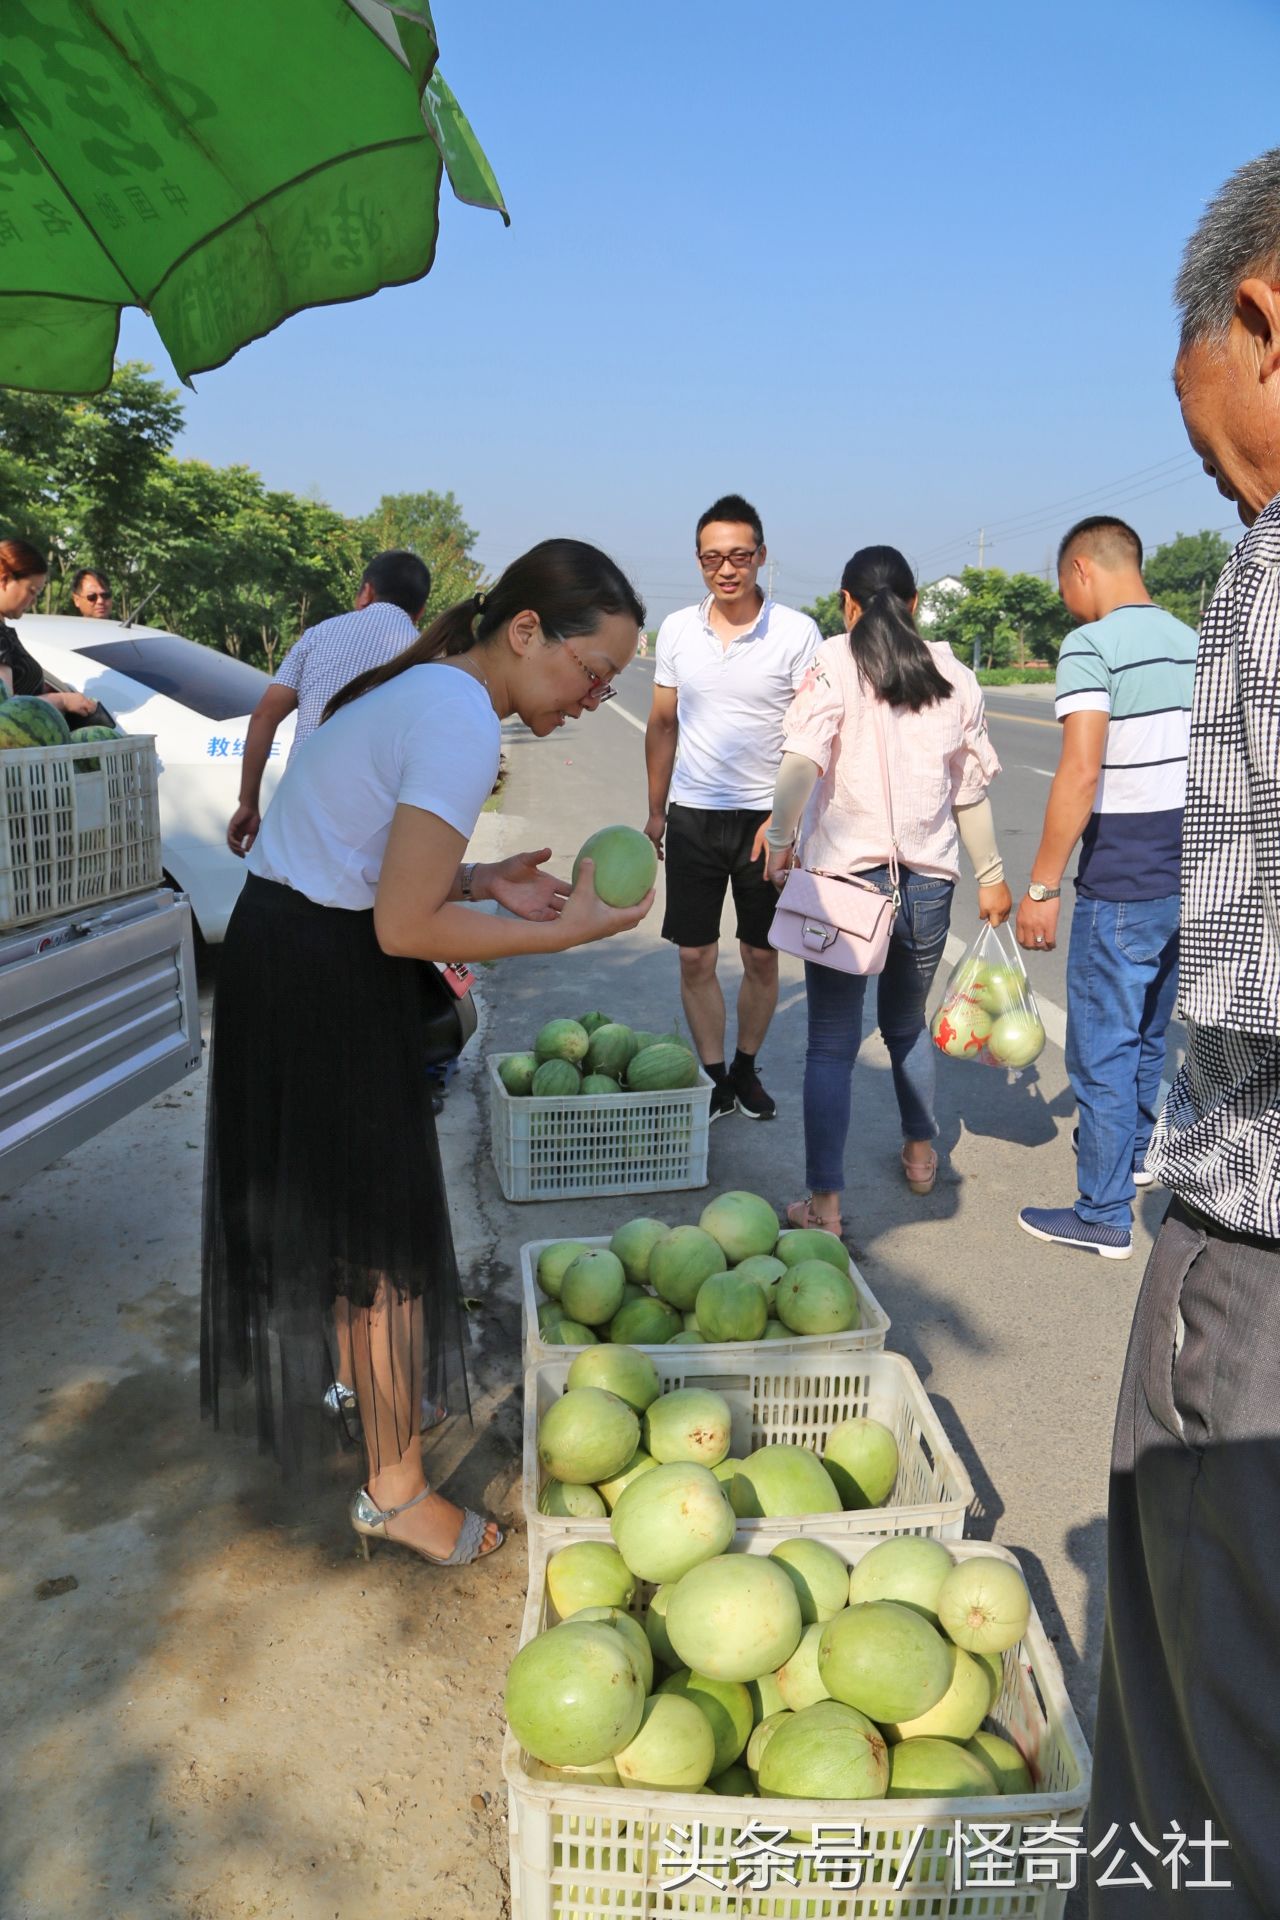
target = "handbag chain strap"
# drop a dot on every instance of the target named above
(877, 715)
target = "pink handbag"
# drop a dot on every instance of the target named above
(837, 921)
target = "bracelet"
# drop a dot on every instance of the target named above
(468, 875)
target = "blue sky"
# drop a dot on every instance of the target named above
(892, 271)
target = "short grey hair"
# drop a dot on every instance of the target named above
(1238, 235)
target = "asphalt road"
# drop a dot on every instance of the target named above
(1020, 1345)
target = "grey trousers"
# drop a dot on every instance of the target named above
(1188, 1725)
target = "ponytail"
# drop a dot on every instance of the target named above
(891, 658)
(567, 583)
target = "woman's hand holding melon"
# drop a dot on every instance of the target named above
(585, 917)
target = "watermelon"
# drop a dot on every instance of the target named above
(644, 1039)
(43, 724)
(516, 1073)
(562, 1040)
(590, 1021)
(12, 735)
(81, 736)
(626, 864)
(662, 1068)
(610, 1049)
(599, 1083)
(556, 1079)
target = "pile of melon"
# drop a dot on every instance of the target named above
(28, 721)
(595, 1055)
(988, 1014)
(780, 1675)
(735, 1276)
(613, 1425)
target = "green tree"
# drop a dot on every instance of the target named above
(999, 619)
(826, 614)
(432, 526)
(1182, 574)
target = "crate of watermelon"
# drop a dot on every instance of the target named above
(848, 1443)
(813, 1729)
(595, 1108)
(79, 814)
(734, 1281)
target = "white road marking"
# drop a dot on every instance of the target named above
(1043, 771)
(616, 707)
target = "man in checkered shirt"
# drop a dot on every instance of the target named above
(1189, 1708)
(394, 589)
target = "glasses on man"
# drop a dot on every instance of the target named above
(599, 690)
(93, 598)
(740, 557)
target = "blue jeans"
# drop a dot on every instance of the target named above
(835, 1027)
(1122, 978)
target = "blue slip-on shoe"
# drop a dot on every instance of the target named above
(1141, 1178)
(1063, 1227)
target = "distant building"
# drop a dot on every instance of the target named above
(947, 588)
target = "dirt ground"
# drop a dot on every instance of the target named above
(215, 1708)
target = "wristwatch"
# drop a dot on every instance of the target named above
(468, 876)
(1038, 891)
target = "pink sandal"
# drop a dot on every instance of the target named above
(802, 1214)
(920, 1182)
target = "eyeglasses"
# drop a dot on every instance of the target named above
(740, 557)
(93, 598)
(599, 690)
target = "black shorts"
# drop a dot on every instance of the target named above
(707, 848)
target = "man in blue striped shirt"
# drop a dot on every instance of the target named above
(1124, 685)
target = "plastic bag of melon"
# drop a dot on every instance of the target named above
(988, 1012)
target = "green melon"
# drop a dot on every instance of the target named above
(610, 1049)
(742, 1223)
(43, 724)
(811, 1243)
(655, 1626)
(598, 1083)
(556, 1080)
(82, 736)
(689, 1424)
(662, 1069)
(569, 1333)
(561, 1500)
(634, 1242)
(826, 1752)
(632, 1632)
(932, 1769)
(670, 1519)
(680, 1262)
(587, 1435)
(731, 1308)
(644, 1323)
(1006, 1765)
(626, 864)
(549, 1313)
(815, 1298)
(861, 1455)
(909, 1570)
(562, 1040)
(589, 1573)
(736, 1783)
(644, 1039)
(690, 1337)
(763, 1733)
(765, 1697)
(591, 1291)
(765, 1272)
(630, 1375)
(885, 1660)
(780, 1482)
(590, 1021)
(819, 1575)
(734, 1617)
(776, 1331)
(727, 1706)
(961, 1710)
(554, 1261)
(573, 1695)
(516, 1073)
(611, 1490)
(799, 1681)
(674, 1748)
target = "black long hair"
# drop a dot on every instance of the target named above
(567, 583)
(886, 646)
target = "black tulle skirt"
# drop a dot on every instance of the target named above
(323, 1186)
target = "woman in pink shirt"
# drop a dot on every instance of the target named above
(881, 680)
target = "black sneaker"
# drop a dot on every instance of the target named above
(723, 1100)
(751, 1098)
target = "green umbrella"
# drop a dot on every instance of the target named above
(221, 163)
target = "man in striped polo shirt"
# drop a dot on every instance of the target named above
(1124, 685)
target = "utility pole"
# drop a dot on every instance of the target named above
(982, 543)
(773, 568)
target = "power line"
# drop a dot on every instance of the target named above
(1001, 529)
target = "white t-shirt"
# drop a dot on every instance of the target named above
(429, 738)
(731, 702)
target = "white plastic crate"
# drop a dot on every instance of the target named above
(72, 836)
(596, 1853)
(797, 1401)
(588, 1145)
(866, 1338)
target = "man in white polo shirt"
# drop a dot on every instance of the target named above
(394, 590)
(724, 675)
